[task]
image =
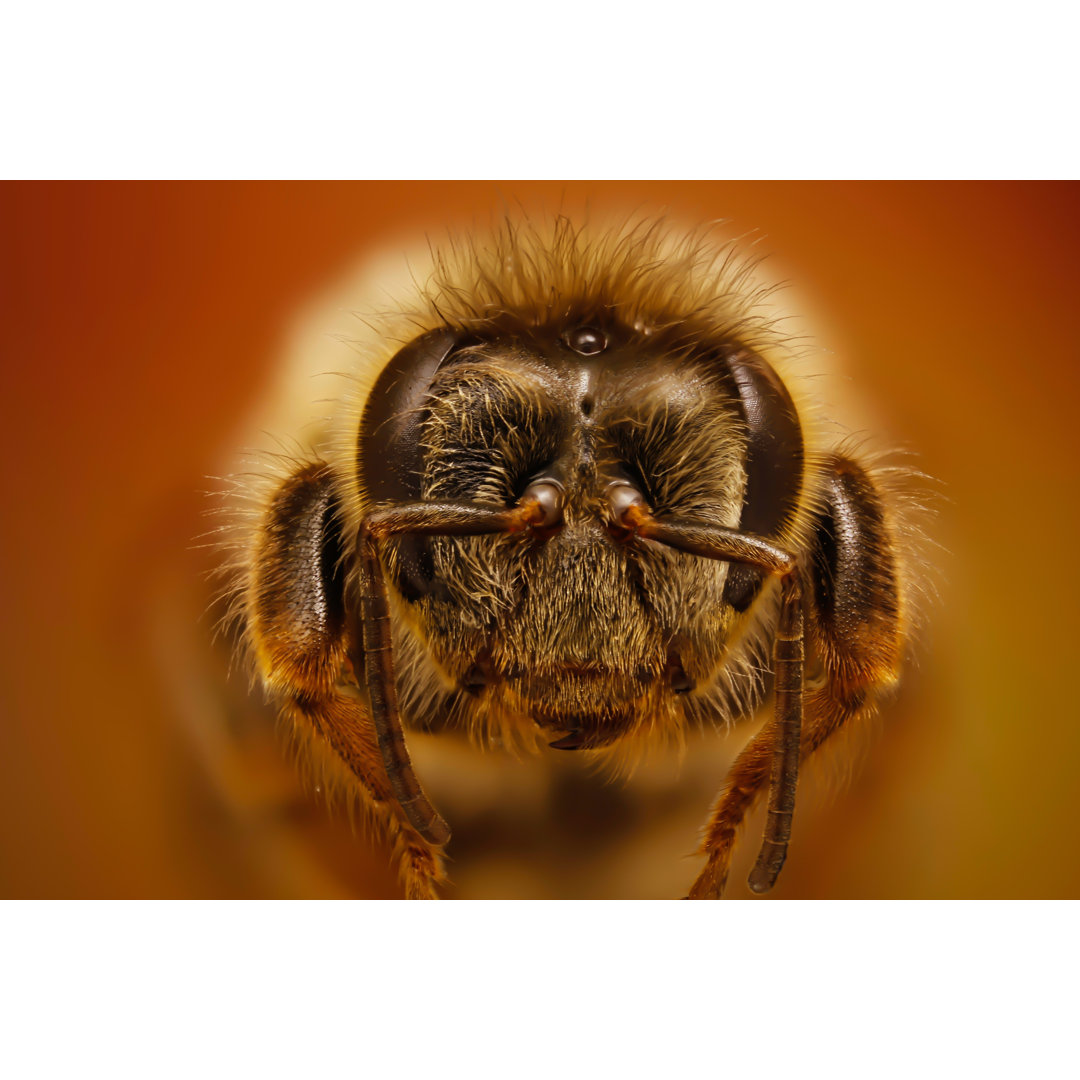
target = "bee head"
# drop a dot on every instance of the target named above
(572, 622)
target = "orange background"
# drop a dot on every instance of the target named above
(140, 322)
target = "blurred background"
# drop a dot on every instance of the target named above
(142, 324)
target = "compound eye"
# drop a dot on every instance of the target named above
(625, 502)
(548, 498)
(587, 340)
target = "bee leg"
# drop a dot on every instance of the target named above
(748, 776)
(855, 622)
(786, 735)
(300, 636)
(771, 757)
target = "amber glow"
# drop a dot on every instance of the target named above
(140, 323)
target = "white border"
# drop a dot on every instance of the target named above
(690, 90)
(537, 989)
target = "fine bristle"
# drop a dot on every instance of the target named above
(647, 274)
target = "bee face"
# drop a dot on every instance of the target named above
(567, 625)
(579, 501)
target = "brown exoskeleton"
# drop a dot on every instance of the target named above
(576, 497)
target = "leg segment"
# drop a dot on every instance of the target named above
(784, 776)
(856, 627)
(782, 747)
(298, 629)
(773, 756)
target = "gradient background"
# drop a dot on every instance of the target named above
(142, 321)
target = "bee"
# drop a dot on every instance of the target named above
(577, 499)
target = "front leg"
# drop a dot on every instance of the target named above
(773, 756)
(855, 615)
(299, 632)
